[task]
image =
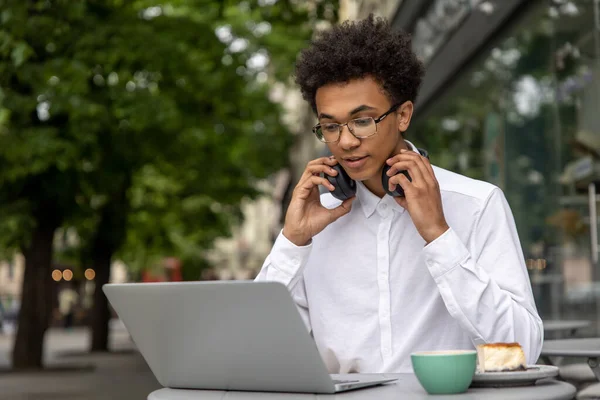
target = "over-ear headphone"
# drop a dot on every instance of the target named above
(345, 187)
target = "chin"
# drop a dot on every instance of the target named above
(362, 176)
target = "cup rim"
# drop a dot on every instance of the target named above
(443, 353)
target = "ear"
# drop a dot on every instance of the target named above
(404, 115)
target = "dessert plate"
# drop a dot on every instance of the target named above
(514, 378)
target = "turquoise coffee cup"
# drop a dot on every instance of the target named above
(445, 372)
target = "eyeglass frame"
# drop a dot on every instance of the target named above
(341, 126)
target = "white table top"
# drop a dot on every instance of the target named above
(407, 387)
(565, 325)
(584, 347)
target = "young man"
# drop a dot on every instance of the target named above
(377, 277)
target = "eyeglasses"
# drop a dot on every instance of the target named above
(360, 127)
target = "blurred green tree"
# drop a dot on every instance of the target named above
(141, 125)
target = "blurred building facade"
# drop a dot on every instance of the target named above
(242, 255)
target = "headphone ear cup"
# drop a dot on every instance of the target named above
(385, 180)
(345, 187)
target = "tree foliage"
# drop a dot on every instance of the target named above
(140, 125)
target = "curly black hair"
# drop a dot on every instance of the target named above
(354, 50)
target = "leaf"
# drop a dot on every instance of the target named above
(126, 122)
(21, 53)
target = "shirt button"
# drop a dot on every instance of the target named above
(384, 206)
(295, 262)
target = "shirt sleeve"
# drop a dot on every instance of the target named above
(486, 286)
(285, 264)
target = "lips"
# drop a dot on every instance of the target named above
(354, 162)
(353, 158)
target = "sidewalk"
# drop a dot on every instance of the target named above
(119, 375)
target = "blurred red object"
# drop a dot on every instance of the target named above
(171, 272)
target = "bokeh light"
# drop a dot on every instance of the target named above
(89, 274)
(67, 274)
(56, 275)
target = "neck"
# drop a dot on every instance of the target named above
(374, 183)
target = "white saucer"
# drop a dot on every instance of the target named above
(514, 378)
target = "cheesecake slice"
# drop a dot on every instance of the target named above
(498, 357)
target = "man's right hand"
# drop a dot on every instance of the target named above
(305, 215)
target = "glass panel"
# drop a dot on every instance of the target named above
(437, 24)
(527, 118)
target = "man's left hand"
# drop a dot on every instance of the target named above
(422, 200)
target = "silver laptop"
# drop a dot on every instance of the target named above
(226, 335)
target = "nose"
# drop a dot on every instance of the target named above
(347, 140)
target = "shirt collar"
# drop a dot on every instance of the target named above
(370, 201)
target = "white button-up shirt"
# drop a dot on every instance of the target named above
(371, 291)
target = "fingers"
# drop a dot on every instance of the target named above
(414, 172)
(311, 178)
(405, 184)
(320, 165)
(402, 201)
(310, 183)
(323, 160)
(418, 168)
(342, 209)
(317, 169)
(429, 167)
